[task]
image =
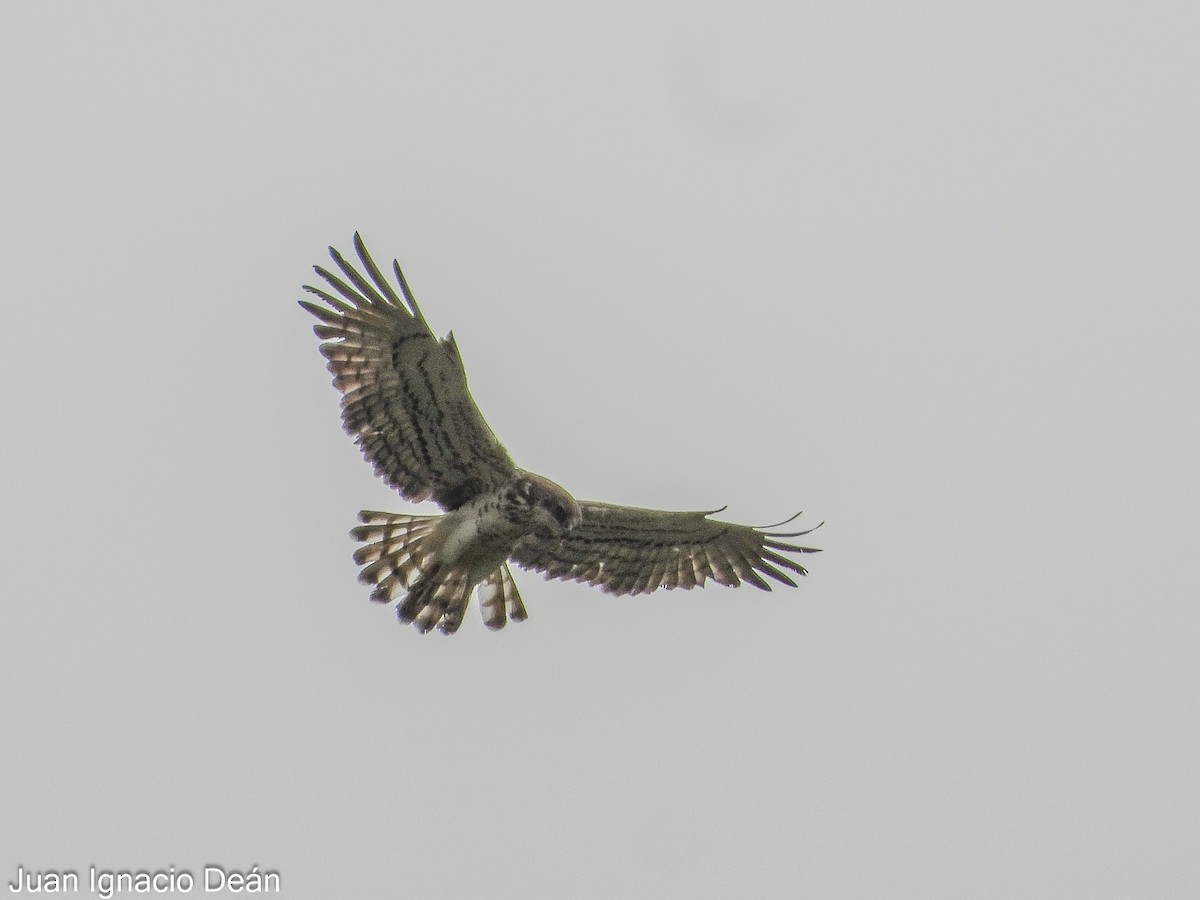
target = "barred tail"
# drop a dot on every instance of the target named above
(439, 598)
(399, 552)
(400, 559)
(499, 599)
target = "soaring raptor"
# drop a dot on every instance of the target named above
(406, 403)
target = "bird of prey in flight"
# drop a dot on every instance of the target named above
(406, 403)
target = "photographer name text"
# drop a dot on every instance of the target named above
(107, 883)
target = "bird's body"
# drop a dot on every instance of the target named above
(441, 559)
(405, 401)
(478, 537)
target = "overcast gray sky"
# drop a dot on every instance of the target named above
(927, 271)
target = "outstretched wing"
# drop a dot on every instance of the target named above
(405, 398)
(626, 550)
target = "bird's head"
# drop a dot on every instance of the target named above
(544, 506)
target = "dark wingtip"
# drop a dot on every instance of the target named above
(780, 524)
(779, 534)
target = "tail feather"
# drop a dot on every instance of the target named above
(499, 599)
(427, 600)
(453, 617)
(439, 599)
(400, 558)
(399, 552)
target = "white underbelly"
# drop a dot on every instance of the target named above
(468, 546)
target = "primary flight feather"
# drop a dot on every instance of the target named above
(406, 403)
